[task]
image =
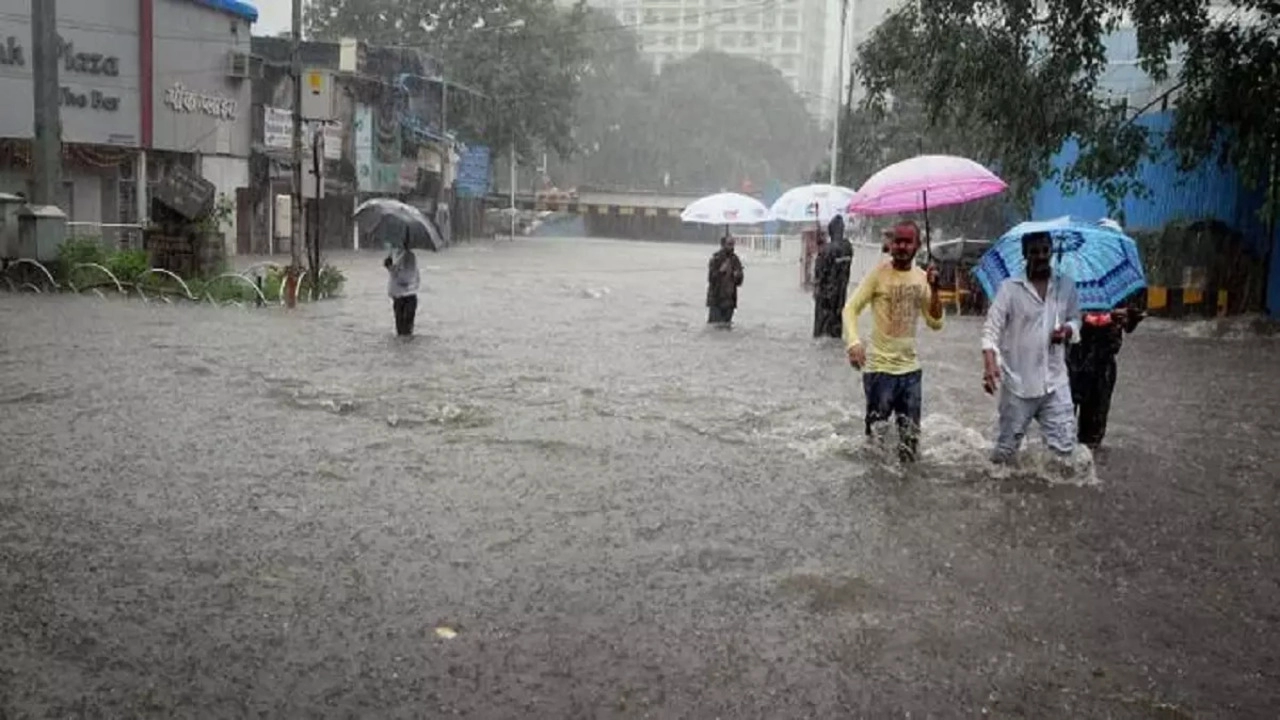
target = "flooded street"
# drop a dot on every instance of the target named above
(221, 512)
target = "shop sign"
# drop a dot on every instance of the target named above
(180, 99)
(13, 54)
(277, 133)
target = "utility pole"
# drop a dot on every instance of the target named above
(295, 242)
(446, 149)
(313, 250)
(513, 188)
(46, 158)
(835, 126)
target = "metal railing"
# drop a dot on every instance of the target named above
(763, 244)
(121, 236)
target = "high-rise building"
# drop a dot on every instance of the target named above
(790, 35)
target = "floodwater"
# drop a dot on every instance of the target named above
(566, 497)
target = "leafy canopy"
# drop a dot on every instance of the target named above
(1021, 78)
(523, 57)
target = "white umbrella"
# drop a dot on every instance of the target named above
(812, 203)
(726, 209)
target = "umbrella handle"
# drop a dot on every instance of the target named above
(928, 246)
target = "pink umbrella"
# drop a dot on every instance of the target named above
(922, 182)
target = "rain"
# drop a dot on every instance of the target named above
(620, 464)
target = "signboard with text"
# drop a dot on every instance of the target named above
(98, 73)
(277, 133)
(377, 145)
(472, 178)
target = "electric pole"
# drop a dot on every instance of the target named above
(835, 129)
(46, 156)
(295, 242)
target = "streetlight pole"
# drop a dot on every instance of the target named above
(835, 126)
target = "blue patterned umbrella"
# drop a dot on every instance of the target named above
(1103, 263)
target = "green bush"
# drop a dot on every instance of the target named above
(127, 265)
(331, 283)
(73, 255)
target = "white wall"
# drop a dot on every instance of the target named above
(227, 174)
(86, 193)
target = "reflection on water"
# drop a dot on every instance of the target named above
(596, 492)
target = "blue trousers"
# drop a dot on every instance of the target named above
(896, 395)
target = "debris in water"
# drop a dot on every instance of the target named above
(446, 633)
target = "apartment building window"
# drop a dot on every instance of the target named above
(728, 40)
(752, 19)
(690, 42)
(668, 40)
(786, 62)
(790, 18)
(790, 41)
(748, 39)
(729, 17)
(768, 20)
(650, 17)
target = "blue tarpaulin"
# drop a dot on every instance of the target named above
(237, 8)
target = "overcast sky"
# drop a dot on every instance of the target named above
(274, 16)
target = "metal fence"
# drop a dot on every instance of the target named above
(763, 244)
(120, 236)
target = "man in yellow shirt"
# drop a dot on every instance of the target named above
(898, 293)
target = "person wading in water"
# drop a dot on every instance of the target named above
(898, 293)
(831, 281)
(724, 277)
(1091, 364)
(1029, 325)
(402, 285)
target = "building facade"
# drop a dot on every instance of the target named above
(100, 98)
(385, 140)
(790, 35)
(144, 84)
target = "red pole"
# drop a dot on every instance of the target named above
(146, 69)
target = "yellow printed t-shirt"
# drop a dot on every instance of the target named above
(897, 298)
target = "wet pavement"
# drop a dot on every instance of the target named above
(221, 512)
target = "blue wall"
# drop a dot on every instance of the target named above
(1206, 192)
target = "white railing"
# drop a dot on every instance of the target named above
(121, 236)
(764, 244)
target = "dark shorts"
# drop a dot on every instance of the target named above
(895, 396)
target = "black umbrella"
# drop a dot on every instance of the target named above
(390, 221)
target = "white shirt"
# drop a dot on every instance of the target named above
(1018, 326)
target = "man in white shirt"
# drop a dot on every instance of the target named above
(1029, 325)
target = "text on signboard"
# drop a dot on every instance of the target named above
(181, 99)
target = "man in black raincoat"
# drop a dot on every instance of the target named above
(1091, 364)
(724, 276)
(831, 281)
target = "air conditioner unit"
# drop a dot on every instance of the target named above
(239, 65)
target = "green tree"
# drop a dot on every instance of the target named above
(872, 138)
(1227, 86)
(613, 108)
(1019, 84)
(524, 56)
(719, 119)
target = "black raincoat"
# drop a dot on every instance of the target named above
(831, 281)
